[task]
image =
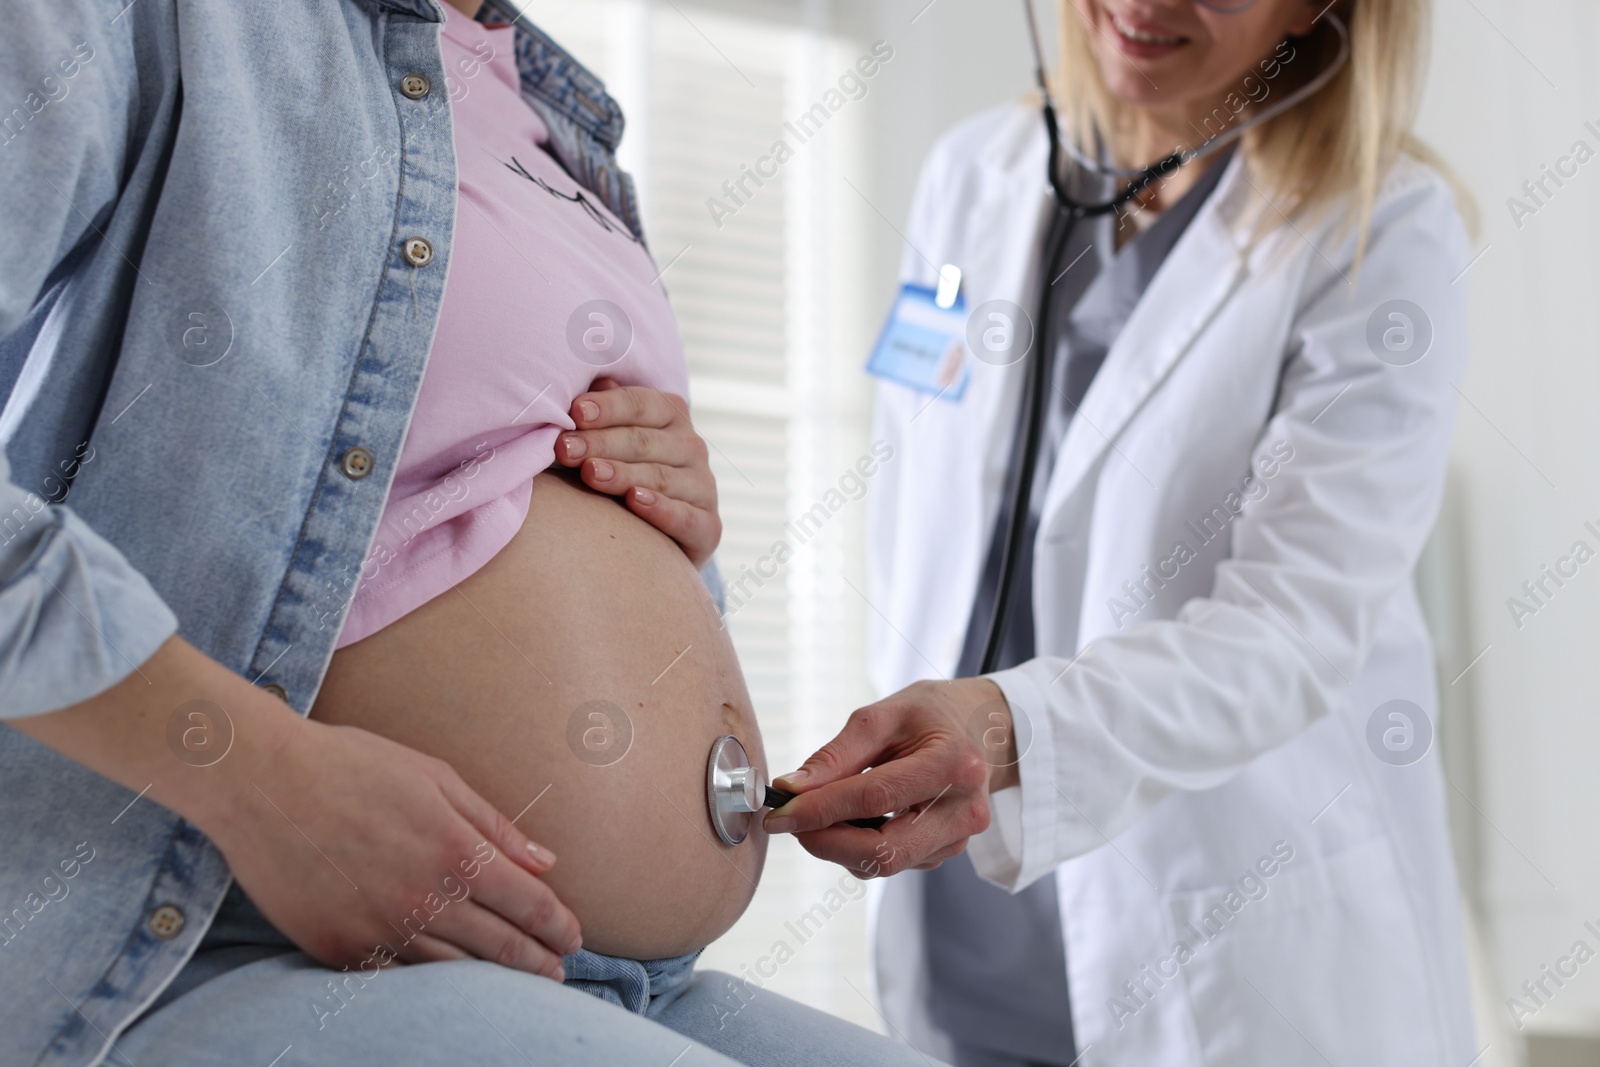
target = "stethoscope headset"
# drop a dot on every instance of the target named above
(1070, 211)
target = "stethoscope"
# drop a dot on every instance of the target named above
(735, 790)
(1071, 211)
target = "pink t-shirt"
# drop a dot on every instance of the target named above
(547, 292)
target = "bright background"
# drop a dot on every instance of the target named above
(780, 303)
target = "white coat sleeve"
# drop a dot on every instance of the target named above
(1184, 704)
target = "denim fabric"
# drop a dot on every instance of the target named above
(198, 321)
(241, 935)
(249, 996)
(644, 987)
(485, 1015)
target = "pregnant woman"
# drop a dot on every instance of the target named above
(378, 586)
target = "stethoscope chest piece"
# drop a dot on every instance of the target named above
(734, 790)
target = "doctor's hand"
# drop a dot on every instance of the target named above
(640, 444)
(931, 753)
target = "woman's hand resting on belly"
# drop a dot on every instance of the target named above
(639, 444)
(413, 864)
(577, 681)
(360, 850)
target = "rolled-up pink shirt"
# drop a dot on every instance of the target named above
(547, 292)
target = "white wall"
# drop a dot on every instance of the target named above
(1512, 86)
(952, 58)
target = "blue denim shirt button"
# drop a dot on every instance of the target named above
(414, 86)
(357, 463)
(166, 921)
(419, 253)
(276, 690)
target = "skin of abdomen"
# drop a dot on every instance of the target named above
(583, 671)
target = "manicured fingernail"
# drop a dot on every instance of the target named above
(589, 410)
(645, 497)
(784, 824)
(793, 778)
(603, 470)
(540, 853)
(575, 446)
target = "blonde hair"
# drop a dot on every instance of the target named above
(1341, 141)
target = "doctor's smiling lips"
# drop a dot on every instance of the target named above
(1141, 37)
(940, 797)
(1153, 51)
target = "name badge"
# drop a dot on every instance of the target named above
(924, 343)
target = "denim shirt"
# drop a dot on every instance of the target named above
(214, 319)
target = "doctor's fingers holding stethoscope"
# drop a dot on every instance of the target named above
(1159, 528)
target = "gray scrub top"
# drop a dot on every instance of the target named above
(996, 960)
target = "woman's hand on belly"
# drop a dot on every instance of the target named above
(640, 444)
(363, 851)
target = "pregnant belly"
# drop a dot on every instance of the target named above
(577, 682)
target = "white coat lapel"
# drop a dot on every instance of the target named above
(1200, 273)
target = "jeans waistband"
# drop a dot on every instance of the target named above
(644, 987)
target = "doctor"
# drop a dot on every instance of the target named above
(1206, 820)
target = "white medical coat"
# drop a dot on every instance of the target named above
(1199, 713)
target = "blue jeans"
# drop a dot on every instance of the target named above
(248, 996)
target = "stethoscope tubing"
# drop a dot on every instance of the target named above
(1035, 397)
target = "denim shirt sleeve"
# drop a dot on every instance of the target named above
(75, 617)
(66, 113)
